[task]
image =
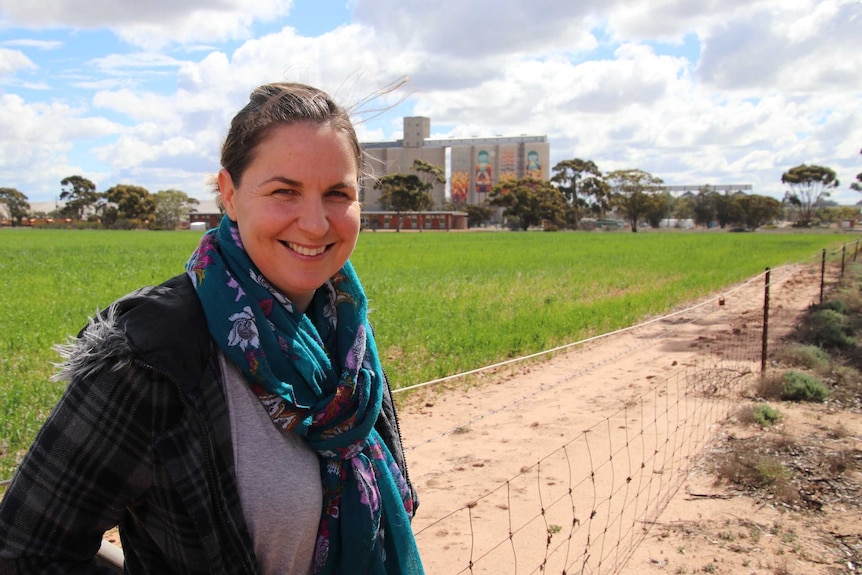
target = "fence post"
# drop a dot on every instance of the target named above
(764, 349)
(822, 273)
(855, 250)
(843, 253)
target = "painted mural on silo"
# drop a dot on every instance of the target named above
(459, 179)
(532, 165)
(484, 174)
(508, 161)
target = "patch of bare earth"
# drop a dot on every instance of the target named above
(782, 500)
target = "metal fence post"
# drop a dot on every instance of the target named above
(764, 344)
(843, 254)
(822, 273)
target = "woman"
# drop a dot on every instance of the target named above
(235, 419)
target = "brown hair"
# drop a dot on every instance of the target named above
(281, 103)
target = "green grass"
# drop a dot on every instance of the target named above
(441, 303)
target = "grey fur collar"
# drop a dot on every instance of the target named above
(101, 344)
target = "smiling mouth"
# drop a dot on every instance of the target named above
(303, 251)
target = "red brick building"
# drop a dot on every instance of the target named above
(420, 221)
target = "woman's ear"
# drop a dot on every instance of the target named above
(227, 191)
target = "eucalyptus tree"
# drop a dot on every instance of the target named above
(171, 207)
(579, 181)
(403, 193)
(428, 173)
(632, 193)
(410, 192)
(16, 205)
(704, 205)
(809, 185)
(80, 196)
(129, 205)
(753, 211)
(529, 200)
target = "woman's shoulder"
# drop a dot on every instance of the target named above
(163, 326)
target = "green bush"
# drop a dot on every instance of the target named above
(830, 329)
(765, 415)
(803, 355)
(835, 305)
(803, 387)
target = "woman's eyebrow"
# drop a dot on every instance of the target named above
(283, 180)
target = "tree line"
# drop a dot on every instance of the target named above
(578, 190)
(122, 206)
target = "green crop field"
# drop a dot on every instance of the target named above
(441, 303)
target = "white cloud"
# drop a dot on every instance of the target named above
(808, 47)
(671, 20)
(13, 61)
(131, 63)
(38, 44)
(140, 106)
(35, 140)
(482, 29)
(150, 23)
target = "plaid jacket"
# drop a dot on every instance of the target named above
(140, 438)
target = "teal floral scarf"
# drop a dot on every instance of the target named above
(319, 376)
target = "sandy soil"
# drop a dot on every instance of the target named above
(581, 463)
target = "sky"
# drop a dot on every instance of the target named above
(693, 91)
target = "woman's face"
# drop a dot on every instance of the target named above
(297, 207)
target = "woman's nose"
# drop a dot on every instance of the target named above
(312, 217)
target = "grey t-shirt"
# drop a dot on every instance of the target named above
(279, 482)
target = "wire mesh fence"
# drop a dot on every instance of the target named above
(584, 506)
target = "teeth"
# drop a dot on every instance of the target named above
(306, 251)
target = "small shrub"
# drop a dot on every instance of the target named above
(846, 374)
(771, 386)
(834, 305)
(803, 355)
(829, 329)
(803, 387)
(765, 415)
(750, 470)
(770, 472)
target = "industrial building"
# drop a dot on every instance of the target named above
(472, 165)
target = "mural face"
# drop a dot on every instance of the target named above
(484, 177)
(533, 169)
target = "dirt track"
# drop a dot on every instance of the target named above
(517, 473)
